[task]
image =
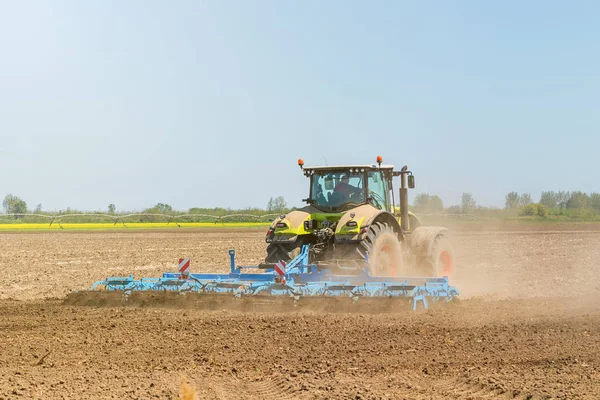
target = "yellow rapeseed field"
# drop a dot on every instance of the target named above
(133, 225)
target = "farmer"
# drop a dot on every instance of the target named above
(344, 187)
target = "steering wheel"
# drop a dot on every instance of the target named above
(377, 199)
(357, 195)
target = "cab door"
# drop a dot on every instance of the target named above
(379, 190)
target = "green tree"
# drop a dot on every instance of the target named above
(541, 210)
(578, 200)
(163, 208)
(549, 199)
(38, 209)
(277, 204)
(533, 209)
(468, 203)
(512, 200)
(562, 198)
(454, 210)
(111, 208)
(429, 203)
(595, 201)
(529, 210)
(14, 205)
(436, 204)
(524, 199)
(421, 200)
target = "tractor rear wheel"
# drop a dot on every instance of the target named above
(442, 258)
(384, 250)
(282, 251)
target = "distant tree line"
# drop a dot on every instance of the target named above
(427, 203)
(571, 200)
(15, 205)
(576, 204)
(558, 203)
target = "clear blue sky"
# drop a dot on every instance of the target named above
(210, 103)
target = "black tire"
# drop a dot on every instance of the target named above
(442, 259)
(384, 250)
(282, 252)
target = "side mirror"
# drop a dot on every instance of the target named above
(411, 181)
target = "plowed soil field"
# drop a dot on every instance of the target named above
(527, 325)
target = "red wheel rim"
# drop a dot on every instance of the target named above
(446, 263)
(392, 257)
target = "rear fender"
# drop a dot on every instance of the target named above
(413, 221)
(365, 216)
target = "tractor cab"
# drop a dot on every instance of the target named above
(339, 188)
(343, 187)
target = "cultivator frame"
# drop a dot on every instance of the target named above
(297, 280)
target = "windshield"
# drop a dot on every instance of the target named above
(335, 189)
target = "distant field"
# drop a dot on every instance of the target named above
(119, 226)
(451, 224)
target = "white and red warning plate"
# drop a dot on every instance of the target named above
(184, 266)
(279, 268)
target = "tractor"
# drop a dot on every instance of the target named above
(351, 216)
(349, 242)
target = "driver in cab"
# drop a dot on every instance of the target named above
(344, 188)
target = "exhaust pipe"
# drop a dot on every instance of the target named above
(403, 203)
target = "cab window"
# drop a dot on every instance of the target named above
(332, 189)
(378, 189)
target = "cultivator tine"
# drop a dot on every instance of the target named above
(117, 283)
(420, 298)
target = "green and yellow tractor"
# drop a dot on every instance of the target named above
(351, 215)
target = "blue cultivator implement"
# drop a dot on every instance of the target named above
(297, 281)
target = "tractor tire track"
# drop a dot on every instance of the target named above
(278, 388)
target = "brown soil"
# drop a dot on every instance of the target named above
(527, 326)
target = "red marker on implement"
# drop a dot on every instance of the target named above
(184, 267)
(280, 270)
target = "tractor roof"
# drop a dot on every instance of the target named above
(346, 167)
